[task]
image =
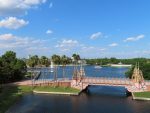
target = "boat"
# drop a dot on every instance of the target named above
(97, 67)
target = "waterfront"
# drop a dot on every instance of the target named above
(96, 99)
(92, 102)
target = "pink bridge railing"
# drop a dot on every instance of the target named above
(107, 81)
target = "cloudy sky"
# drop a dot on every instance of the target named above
(91, 28)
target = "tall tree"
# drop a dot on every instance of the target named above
(56, 59)
(1, 74)
(44, 61)
(11, 68)
(33, 61)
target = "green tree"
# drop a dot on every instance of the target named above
(56, 59)
(33, 61)
(114, 60)
(11, 68)
(44, 61)
(1, 74)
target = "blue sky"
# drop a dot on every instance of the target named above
(91, 28)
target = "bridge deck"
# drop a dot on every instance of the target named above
(107, 81)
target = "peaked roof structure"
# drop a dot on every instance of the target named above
(137, 75)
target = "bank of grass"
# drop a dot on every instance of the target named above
(10, 94)
(142, 94)
(56, 89)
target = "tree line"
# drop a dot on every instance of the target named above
(113, 60)
(11, 68)
(144, 64)
(43, 61)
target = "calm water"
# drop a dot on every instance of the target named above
(89, 71)
(97, 99)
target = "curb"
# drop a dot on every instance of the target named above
(58, 93)
(139, 98)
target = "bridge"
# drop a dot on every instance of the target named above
(80, 81)
(107, 81)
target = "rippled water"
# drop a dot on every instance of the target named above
(97, 99)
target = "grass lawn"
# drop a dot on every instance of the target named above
(142, 94)
(10, 94)
(56, 89)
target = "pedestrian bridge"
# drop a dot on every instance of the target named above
(80, 81)
(98, 81)
(107, 81)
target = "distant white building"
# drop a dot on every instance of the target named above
(121, 65)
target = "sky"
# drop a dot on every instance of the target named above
(91, 28)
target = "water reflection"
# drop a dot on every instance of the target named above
(107, 90)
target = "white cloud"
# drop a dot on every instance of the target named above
(92, 49)
(6, 37)
(69, 46)
(113, 45)
(11, 41)
(67, 43)
(96, 35)
(17, 7)
(136, 38)
(37, 48)
(49, 31)
(102, 49)
(13, 23)
(51, 5)
(65, 50)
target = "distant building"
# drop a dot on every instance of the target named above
(120, 65)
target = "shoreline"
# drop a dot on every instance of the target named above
(56, 93)
(59, 90)
(138, 98)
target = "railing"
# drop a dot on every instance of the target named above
(49, 81)
(147, 82)
(108, 81)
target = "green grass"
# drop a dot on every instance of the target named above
(10, 94)
(142, 94)
(57, 89)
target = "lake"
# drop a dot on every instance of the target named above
(97, 99)
(89, 71)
